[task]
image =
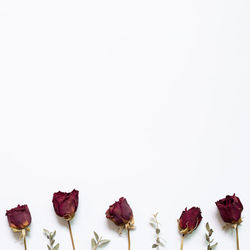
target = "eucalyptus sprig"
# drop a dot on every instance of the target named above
(50, 236)
(98, 241)
(208, 238)
(156, 225)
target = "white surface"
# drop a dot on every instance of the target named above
(143, 99)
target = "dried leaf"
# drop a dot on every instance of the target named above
(210, 232)
(46, 231)
(50, 237)
(152, 224)
(93, 243)
(96, 236)
(156, 214)
(54, 234)
(207, 227)
(56, 247)
(103, 242)
(52, 242)
(207, 238)
(214, 245)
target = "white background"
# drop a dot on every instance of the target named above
(143, 99)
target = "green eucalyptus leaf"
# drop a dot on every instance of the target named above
(211, 232)
(96, 236)
(207, 238)
(54, 234)
(214, 245)
(46, 231)
(103, 242)
(56, 246)
(93, 243)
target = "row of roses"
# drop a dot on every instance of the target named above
(66, 204)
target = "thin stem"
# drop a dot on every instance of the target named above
(157, 227)
(182, 240)
(237, 237)
(128, 239)
(95, 248)
(71, 236)
(24, 241)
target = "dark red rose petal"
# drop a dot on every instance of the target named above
(230, 209)
(190, 219)
(19, 217)
(120, 212)
(65, 204)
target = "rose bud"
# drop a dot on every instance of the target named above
(121, 213)
(189, 220)
(65, 204)
(19, 218)
(230, 209)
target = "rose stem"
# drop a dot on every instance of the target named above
(24, 241)
(71, 235)
(237, 237)
(128, 239)
(182, 240)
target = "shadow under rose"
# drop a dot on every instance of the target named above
(227, 228)
(116, 228)
(16, 236)
(112, 226)
(62, 221)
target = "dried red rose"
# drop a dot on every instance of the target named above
(189, 220)
(65, 204)
(120, 213)
(230, 209)
(19, 218)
